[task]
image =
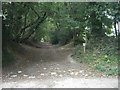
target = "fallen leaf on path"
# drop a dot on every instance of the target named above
(31, 77)
(104, 75)
(64, 71)
(90, 73)
(53, 73)
(61, 75)
(72, 73)
(25, 75)
(86, 75)
(13, 76)
(69, 70)
(81, 71)
(19, 72)
(44, 68)
(76, 73)
(42, 74)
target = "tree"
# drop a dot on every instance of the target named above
(22, 20)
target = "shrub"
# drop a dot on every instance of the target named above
(100, 55)
(62, 37)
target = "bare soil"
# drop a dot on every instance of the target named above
(50, 66)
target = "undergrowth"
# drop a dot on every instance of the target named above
(101, 55)
(9, 52)
(7, 57)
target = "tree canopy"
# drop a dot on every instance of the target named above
(58, 22)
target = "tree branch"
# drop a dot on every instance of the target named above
(35, 27)
(35, 12)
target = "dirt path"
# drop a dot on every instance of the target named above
(50, 67)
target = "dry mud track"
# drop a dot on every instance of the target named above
(51, 67)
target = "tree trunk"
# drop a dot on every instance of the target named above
(119, 27)
(115, 26)
(33, 28)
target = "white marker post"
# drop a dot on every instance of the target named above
(84, 45)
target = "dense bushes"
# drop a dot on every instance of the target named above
(54, 37)
(100, 54)
(62, 37)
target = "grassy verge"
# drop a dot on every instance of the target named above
(100, 55)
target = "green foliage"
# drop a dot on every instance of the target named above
(54, 37)
(22, 20)
(64, 36)
(102, 56)
(107, 64)
(25, 20)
